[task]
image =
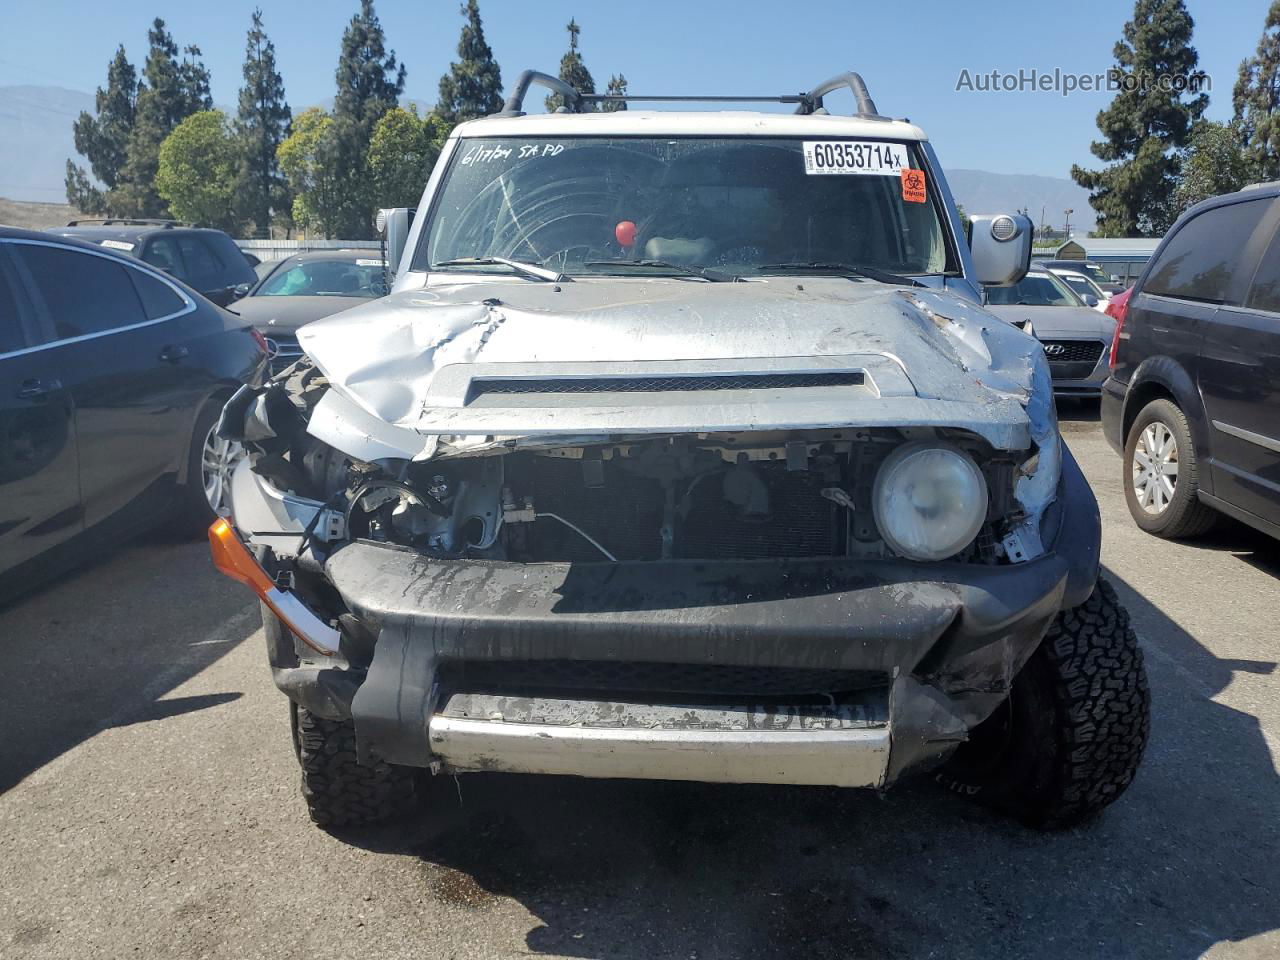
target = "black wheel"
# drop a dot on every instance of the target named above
(210, 461)
(1070, 737)
(1161, 474)
(340, 792)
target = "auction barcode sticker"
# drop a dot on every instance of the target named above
(875, 157)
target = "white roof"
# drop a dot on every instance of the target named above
(705, 123)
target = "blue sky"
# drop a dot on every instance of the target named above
(911, 54)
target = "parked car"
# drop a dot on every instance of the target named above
(1074, 335)
(570, 501)
(1094, 271)
(206, 260)
(113, 377)
(1084, 288)
(1193, 401)
(264, 267)
(307, 287)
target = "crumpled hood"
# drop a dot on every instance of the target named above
(413, 359)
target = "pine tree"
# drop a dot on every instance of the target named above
(369, 84)
(573, 71)
(261, 127)
(104, 139)
(473, 86)
(1145, 123)
(172, 90)
(1256, 101)
(617, 88)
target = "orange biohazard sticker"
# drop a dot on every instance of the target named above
(912, 185)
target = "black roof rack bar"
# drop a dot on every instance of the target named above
(573, 100)
(623, 97)
(861, 96)
(128, 222)
(514, 107)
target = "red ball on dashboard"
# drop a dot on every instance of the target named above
(625, 232)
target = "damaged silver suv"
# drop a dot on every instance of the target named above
(682, 449)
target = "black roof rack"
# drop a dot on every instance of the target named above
(574, 101)
(129, 222)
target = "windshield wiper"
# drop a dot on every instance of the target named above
(870, 273)
(531, 270)
(715, 276)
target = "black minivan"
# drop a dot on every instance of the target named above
(1193, 400)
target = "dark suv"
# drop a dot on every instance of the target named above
(1193, 400)
(205, 259)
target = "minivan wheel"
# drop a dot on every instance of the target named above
(1161, 474)
(1070, 738)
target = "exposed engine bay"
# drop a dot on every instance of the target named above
(743, 496)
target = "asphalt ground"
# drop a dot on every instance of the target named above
(149, 805)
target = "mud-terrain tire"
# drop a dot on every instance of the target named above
(340, 792)
(1070, 737)
(1182, 515)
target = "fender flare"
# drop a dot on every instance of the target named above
(1165, 372)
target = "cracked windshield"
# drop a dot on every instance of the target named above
(597, 206)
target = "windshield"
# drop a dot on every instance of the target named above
(327, 278)
(626, 206)
(1034, 290)
(1095, 273)
(1081, 285)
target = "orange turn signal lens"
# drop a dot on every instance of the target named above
(233, 558)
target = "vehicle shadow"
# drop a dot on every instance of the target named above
(1080, 410)
(643, 869)
(99, 647)
(1247, 544)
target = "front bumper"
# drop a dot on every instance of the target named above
(928, 652)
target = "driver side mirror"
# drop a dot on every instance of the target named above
(1090, 300)
(1001, 248)
(393, 225)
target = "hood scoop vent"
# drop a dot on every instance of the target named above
(670, 384)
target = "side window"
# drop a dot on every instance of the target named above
(236, 268)
(204, 267)
(158, 298)
(11, 336)
(83, 293)
(1200, 260)
(162, 252)
(1264, 292)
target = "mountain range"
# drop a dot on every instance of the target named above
(36, 140)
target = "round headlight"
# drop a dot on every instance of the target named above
(929, 501)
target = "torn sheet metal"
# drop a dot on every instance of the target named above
(416, 359)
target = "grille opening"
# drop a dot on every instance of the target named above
(696, 384)
(1073, 351)
(626, 511)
